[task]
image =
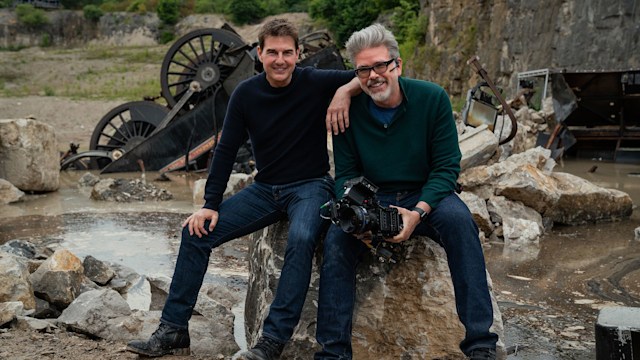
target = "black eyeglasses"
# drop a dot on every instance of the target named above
(379, 68)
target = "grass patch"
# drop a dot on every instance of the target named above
(97, 73)
(12, 48)
(143, 55)
(48, 91)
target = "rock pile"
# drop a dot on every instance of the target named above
(44, 290)
(514, 194)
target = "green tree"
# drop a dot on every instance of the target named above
(343, 17)
(295, 5)
(30, 16)
(169, 11)
(92, 13)
(211, 6)
(137, 6)
(245, 11)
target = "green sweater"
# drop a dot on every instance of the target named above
(419, 150)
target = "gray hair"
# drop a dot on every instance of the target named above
(372, 36)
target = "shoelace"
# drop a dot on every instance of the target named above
(161, 329)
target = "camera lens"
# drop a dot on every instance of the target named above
(354, 219)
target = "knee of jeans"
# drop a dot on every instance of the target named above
(188, 239)
(453, 214)
(302, 238)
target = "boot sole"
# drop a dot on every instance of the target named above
(177, 352)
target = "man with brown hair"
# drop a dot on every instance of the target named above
(283, 111)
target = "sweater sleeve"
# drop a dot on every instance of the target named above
(444, 154)
(233, 134)
(346, 160)
(331, 79)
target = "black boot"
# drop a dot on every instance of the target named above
(164, 341)
(265, 349)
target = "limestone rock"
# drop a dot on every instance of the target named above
(21, 248)
(581, 201)
(477, 145)
(14, 281)
(418, 287)
(97, 271)
(88, 179)
(478, 208)
(499, 208)
(9, 311)
(9, 193)
(94, 312)
(59, 279)
(492, 174)
(237, 182)
(530, 186)
(28, 155)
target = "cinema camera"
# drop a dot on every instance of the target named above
(358, 212)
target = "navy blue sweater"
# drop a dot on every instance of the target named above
(286, 126)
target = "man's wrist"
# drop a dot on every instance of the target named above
(423, 214)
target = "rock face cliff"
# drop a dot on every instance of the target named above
(512, 36)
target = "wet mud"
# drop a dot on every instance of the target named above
(549, 294)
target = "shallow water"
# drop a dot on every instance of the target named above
(549, 294)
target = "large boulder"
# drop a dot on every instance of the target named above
(28, 155)
(403, 310)
(582, 202)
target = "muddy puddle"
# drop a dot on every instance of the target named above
(549, 294)
(144, 236)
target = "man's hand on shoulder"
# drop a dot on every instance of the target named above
(196, 222)
(337, 119)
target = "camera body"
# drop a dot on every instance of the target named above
(358, 211)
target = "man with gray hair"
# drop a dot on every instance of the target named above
(403, 139)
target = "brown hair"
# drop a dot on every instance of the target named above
(278, 27)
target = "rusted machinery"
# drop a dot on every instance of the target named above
(597, 112)
(482, 108)
(198, 75)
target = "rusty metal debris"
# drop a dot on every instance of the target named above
(597, 112)
(481, 110)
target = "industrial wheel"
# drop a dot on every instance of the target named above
(124, 127)
(207, 56)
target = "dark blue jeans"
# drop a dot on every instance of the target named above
(252, 209)
(451, 225)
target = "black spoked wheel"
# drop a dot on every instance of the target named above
(124, 127)
(207, 56)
